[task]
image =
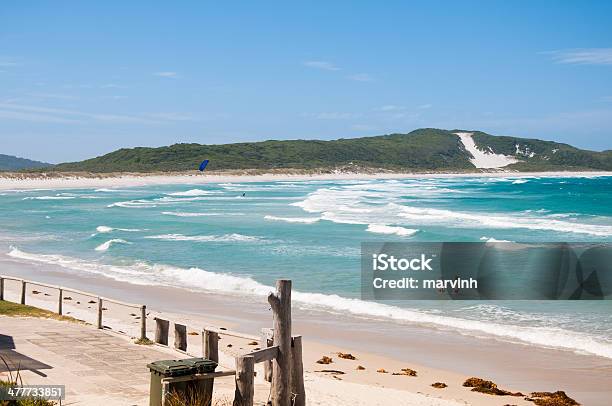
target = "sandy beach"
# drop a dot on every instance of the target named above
(19, 180)
(436, 355)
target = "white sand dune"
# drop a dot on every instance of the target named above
(484, 159)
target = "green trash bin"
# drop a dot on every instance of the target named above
(179, 367)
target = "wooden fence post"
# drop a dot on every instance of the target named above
(100, 325)
(59, 301)
(281, 366)
(143, 322)
(245, 388)
(161, 331)
(297, 373)
(180, 337)
(23, 292)
(210, 345)
(266, 341)
(1, 288)
(210, 350)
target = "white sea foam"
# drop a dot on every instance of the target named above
(354, 207)
(120, 273)
(197, 214)
(491, 239)
(188, 214)
(106, 229)
(195, 192)
(519, 181)
(105, 246)
(385, 229)
(500, 221)
(305, 220)
(205, 238)
(49, 198)
(194, 278)
(134, 204)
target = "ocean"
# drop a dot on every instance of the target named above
(238, 238)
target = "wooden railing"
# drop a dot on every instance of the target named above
(280, 352)
(60, 299)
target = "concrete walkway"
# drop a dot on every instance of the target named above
(96, 366)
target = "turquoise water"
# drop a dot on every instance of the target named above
(211, 237)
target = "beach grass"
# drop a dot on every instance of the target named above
(18, 310)
(144, 341)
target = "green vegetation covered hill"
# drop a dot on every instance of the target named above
(424, 149)
(13, 163)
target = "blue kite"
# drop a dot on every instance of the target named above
(203, 165)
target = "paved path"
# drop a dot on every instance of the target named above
(96, 366)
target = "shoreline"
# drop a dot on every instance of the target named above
(22, 181)
(437, 355)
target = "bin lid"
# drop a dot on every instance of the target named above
(180, 367)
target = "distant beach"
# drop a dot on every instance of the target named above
(53, 180)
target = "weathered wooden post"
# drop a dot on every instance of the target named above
(267, 337)
(1, 288)
(297, 373)
(281, 366)
(180, 337)
(161, 331)
(59, 301)
(245, 388)
(143, 322)
(23, 292)
(210, 345)
(100, 325)
(210, 350)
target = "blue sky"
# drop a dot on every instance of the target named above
(80, 79)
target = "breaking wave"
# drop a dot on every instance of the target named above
(142, 273)
(105, 246)
(305, 220)
(130, 204)
(49, 198)
(106, 229)
(384, 229)
(205, 238)
(195, 192)
(362, 207)
(191, 214)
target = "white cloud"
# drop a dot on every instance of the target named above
(167, 74)
(361, 77)
(57, 96)
(35, 117)
(35, 113)
(324, 65)
(583, 56)
(390, 107)
(425, 106)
